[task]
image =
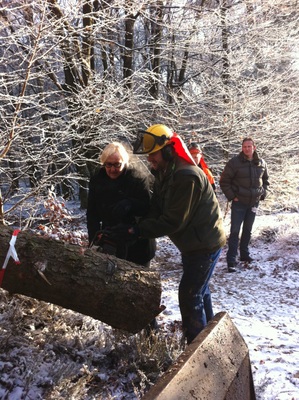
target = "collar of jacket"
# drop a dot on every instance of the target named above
(255, 158)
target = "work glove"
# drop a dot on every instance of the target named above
(122, 209)
(122, 232)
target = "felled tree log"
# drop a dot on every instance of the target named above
(117, 292)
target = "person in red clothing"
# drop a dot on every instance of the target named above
(197, 156)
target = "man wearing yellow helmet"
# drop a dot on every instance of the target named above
(153, 139)
(185, 208)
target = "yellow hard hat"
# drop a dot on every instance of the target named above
(153, 139)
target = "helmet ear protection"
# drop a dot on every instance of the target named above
(160, 140)
(167, 153)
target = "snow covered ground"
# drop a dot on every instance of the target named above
(262, 301)
(50, 353)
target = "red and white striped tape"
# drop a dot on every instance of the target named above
(11, 253)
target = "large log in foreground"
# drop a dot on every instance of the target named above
(215, 366)
(117, 292)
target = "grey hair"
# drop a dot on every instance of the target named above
(112, 148)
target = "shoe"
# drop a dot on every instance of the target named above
(246, 259)
(231, 268)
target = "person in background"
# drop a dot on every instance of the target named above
(118, 193)
(197, 156)
(185, 208)
(244, 181)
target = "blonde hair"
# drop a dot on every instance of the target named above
(112, 148)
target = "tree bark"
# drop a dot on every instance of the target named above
(117, 292)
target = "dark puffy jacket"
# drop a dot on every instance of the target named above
(185, 208)
(105, 194)
(244, 179)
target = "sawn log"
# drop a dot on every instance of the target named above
(116, 292)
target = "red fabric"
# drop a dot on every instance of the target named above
(207, 171)
(203, 163)
(181, 149)
(205, 168)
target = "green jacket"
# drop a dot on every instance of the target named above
(185, 208)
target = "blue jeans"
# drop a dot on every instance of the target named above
(240, 214)
(194, 293)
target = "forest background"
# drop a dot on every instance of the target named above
(76, 75)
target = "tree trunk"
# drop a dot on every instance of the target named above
(114, 291)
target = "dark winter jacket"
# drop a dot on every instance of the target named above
(185, 208)
(247, 180)
(121, 200)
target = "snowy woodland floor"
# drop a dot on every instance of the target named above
(47, 352)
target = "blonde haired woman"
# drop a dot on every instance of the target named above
(118, 194)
